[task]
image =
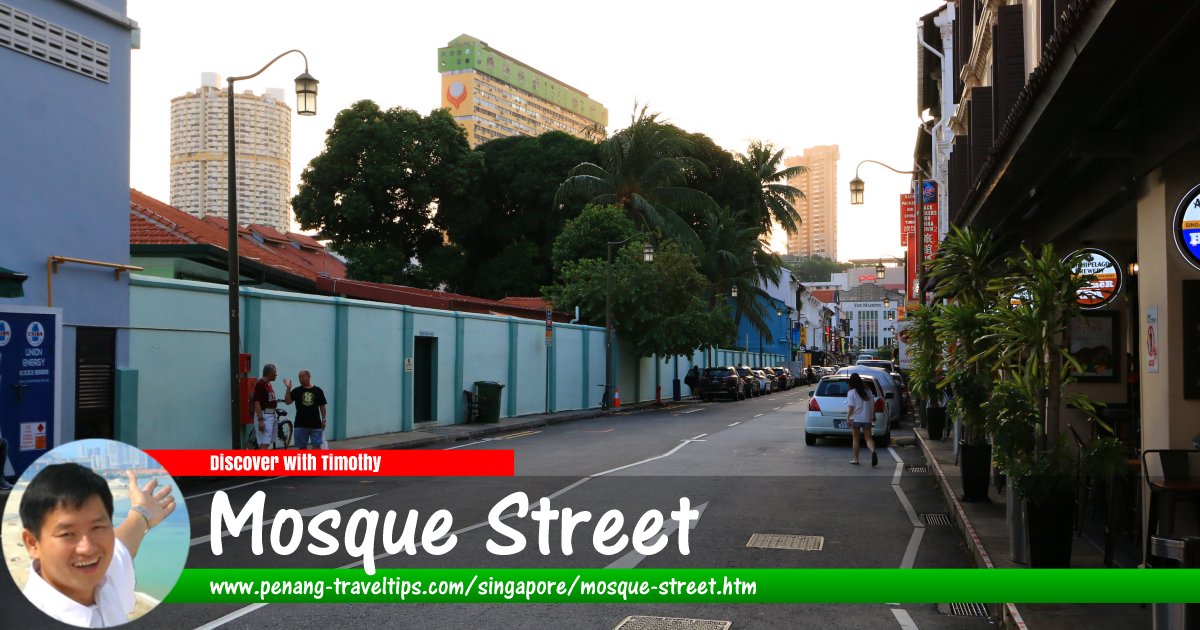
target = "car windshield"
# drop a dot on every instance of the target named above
(744, 371)
(716, 372)
(833, 388)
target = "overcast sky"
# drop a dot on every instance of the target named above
(799, 73)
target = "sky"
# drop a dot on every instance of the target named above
(798, 74)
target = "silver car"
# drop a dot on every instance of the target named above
(891, 389)
(826, 416)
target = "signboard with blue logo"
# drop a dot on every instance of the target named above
(30, 383)
(1187, 227)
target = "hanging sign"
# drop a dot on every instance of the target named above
(908, 218)
(1152, 339)
(929, 223)
(1106, 281)
(1187, 227)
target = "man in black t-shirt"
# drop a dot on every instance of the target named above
(311, 416)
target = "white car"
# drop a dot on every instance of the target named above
(892, 395)
(826, 416)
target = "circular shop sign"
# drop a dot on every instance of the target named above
(1106, 282)
(1187, 227)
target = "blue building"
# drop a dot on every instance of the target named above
(64, 170)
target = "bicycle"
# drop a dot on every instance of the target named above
(283, 433)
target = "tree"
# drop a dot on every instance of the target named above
(657, 307)
(644, 169)
(587, 235)
(816, 268)
(501, 241)
(374, 189)
(776, 196)
(734, 255)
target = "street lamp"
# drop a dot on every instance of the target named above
(857, 188)
(647, 256)
(306, 105)
(733, 291)
(887, 303)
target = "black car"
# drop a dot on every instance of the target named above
(721, 381)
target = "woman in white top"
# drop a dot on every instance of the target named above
(860, 415)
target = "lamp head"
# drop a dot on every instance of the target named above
(306, 94)
(648, 253)
(856, 191)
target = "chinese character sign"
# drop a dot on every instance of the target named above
(908, 218)
(929, 224)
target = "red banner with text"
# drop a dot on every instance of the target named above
(908, 218)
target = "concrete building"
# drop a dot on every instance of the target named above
(200, 150)
(872, 321)
(494, 96)
(64, 237)
(818, 209)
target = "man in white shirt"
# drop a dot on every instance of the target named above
(82, 570)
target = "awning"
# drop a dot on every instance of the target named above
(10, 283)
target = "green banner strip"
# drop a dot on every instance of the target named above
(687, 586)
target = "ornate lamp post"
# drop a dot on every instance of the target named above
(857, 188)
(647, 256)
(306, 105)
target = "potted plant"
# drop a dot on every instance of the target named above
(967, 266)
(926, 353)
(1028, 336)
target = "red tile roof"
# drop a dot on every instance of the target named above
(426, 298)
(152, 222)
(824, 295)
(528, 302)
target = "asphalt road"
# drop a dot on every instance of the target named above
(745, 463)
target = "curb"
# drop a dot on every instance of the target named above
(1010, 616)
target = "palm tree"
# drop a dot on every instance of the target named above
(644, 169)
(734, 255)
(778, 197)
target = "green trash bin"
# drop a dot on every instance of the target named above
(489, 406)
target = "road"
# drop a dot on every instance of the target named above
(744, 463)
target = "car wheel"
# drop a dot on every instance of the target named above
(810, 439)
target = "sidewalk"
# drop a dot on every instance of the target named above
(449, 434)
(984, 528)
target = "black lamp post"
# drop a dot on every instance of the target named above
(647, 256)
(857, 188)
(306, 105)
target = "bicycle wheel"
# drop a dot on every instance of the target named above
(285, 433)
(250, 439)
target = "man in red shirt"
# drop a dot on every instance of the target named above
(264, 405)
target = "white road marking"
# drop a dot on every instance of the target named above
(895, 455)
(905, 621)
(699, 436)
(758, 415)
(914, 543)
(309, 511)
(691, 410)
(912, 514)
(777, 409)
(633, 558)
(241, 612)
(735, 424)
(240, 485)
(896, 475)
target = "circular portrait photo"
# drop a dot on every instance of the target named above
(95, 533)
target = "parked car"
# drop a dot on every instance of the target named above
(892, 396)
(724, 382)
(766, 380)
(826, 415)
(753, 385)
(784, 377)
(901, 380)
(865, 357)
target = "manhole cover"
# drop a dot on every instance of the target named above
(787, 541)
(969, 610)
(936, 518)
(671, 623)
(916, 469)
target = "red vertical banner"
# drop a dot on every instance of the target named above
(910, 269)
(908, 218)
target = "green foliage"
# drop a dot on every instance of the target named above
(776, 197)
(587, 235)
(374, 188)
(926, 351)
(505, 234)
(657, 307)
(816, 268)
(643, 168)
(734, 255)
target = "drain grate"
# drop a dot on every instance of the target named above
(671, 623)
(916, 469)
(969, 610)
(787, 541)
(936, 518)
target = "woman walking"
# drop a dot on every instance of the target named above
(860, 414)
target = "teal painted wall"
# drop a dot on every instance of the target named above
(358, 360)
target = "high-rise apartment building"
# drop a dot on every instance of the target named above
(818, 233)
(494, 96)
(200, 150)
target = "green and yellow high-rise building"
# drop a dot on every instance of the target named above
(494, 96)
